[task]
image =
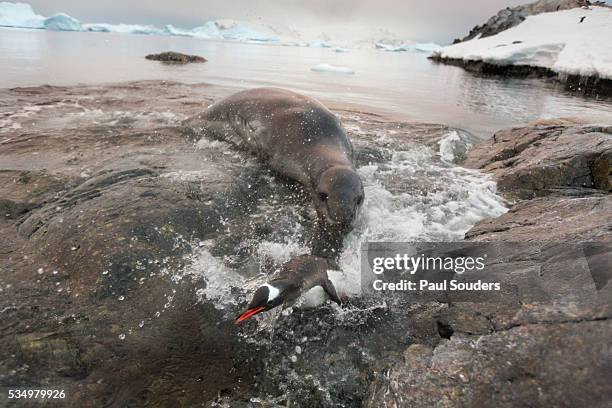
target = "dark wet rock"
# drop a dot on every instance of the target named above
(544, 159)
(171, 57)
(506, 368)
(512, 16)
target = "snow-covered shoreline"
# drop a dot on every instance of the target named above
(567, 44)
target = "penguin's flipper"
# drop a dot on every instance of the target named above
(329, 288)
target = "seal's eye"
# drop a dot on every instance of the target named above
(323, 196)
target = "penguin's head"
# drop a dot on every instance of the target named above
(266, 297)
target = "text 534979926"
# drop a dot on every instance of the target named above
(36, 393)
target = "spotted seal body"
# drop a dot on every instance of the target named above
(299, 138)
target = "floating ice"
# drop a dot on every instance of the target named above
(62, 22)
(418, 47)
(319, 44)
(332, 68)
(123, 28)
(19, 15)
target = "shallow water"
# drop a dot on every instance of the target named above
(406, 84)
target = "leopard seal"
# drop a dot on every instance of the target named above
(299, 138)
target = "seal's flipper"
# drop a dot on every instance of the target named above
(329, 288)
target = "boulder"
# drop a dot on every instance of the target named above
(171, 57)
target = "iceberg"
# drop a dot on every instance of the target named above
(19, 15)
(236, 31)
(332, 68)
(62, 22)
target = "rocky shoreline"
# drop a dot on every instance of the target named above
(109, 212)
(585, 85)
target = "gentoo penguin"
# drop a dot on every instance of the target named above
(294, 278)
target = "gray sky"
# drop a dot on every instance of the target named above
(437, 20)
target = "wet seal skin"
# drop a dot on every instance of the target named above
(300, 139)
(294, 278)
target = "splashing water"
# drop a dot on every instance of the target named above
(417, 195)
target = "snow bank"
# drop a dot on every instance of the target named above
(557, 41)
(19, 15)
(332, 68)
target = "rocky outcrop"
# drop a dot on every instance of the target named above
(546, 159)
(171, 57)
(512, 16)
(564, 172)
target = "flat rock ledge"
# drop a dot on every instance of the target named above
(171, 57)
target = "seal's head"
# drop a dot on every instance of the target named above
(339, 195)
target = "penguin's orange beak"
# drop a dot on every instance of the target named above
(249, 313)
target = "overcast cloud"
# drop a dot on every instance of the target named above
(437, 20)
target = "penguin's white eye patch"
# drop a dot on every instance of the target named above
(272, 292)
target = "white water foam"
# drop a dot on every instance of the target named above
(419, 195)
(450, 202)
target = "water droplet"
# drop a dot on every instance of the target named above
(122, 336)
(141, 324)
(55, 272)
(157, 314)
(298, 349)
(121, 297)
(40, 271)
(104, 272)
(293, 359)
